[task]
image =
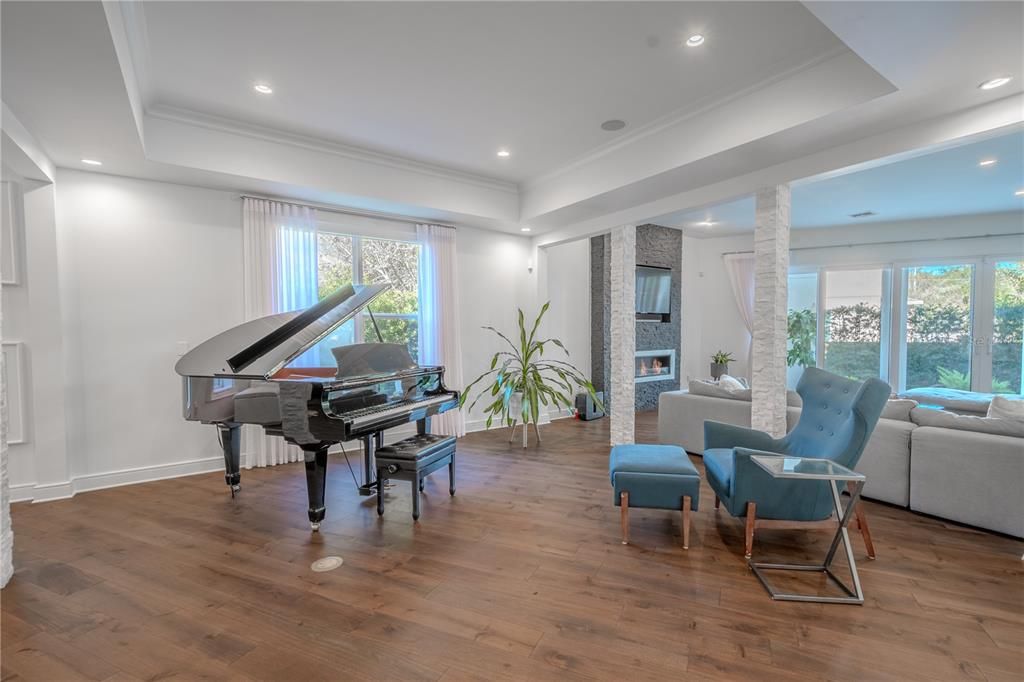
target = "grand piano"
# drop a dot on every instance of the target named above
(253, 374)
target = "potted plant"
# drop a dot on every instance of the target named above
(720, 364)
(521, 380)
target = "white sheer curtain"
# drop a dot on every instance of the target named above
(740, 267)
(279, 275)
(439, 334)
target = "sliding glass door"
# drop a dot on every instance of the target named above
(936, 327)
(1005, 347)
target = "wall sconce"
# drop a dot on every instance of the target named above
(529, 265)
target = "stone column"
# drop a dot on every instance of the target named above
(771, 256)
(622, 391)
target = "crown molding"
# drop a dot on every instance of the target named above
(682, 114)
(315, 144)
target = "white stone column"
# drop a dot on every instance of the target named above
(622, 391)
(771, 255)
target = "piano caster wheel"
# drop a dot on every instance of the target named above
(315, 527)
(234, 490)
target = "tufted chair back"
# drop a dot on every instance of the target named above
(837, 418)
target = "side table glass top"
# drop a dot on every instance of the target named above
(784, 466)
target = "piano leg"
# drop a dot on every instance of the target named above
(371, 483)
(316, 482)
(231, 443)
(451, 475)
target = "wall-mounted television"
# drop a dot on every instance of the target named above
(653, 293)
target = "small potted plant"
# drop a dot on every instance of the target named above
(720, 364)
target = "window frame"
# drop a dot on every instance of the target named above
(894, 286)
(359, 322)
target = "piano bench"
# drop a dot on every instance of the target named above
(413, 459)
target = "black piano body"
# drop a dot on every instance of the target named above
(251, 374)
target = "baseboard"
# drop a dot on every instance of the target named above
(49, 492)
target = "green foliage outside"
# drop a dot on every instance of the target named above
(938, 331)
(382, 261)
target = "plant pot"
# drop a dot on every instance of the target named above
(718, 369)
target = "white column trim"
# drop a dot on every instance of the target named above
(622, 393)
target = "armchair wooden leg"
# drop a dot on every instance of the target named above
(862, 524)
(749, 535)
(624, 510)
(686, 522)
(718, 502)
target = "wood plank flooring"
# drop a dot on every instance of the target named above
(520, 576)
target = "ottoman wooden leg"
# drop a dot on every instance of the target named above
(624, 509)
(718, 502)
(686, 522)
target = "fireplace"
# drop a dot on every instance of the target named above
(655, 365)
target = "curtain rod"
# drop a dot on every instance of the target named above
(896, 241)
(329, 208)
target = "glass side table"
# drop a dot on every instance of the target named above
(810, 469)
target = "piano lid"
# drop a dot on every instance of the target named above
(259, 348)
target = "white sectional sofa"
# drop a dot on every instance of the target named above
(965, 476)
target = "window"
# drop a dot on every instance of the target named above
(1008, 327)
(954, 324)
(936, 327)
(856, 322)
(802, 325)
(343, 259)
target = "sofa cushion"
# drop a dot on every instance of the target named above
(715, 391)
(950, 399)
(644, 458)
(898, 408)
(1006, 408)
(924, 416)
(718, 466)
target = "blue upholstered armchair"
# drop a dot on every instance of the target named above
(836, 421)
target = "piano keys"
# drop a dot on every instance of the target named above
(247, 375)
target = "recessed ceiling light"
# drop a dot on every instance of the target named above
(504, 153)
(613, 125)
(988, 162)
(263, 88)
(92, 162)
(706, 223)
(995, 82)
(524, 229)
(696, 40)
(1019, 193)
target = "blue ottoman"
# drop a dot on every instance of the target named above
(654, 477)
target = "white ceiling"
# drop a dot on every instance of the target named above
(944, 183)
(451, 83)
(401, 106)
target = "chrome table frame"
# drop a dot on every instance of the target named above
(853, 596)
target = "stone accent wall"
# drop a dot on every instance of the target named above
(622, 337)
(771, 270)
(658, 247)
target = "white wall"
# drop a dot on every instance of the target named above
(568, 289)
(711, 320)
(493, 284)
(145, 265)
(153, 264)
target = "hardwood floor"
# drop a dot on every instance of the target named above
(520, 576)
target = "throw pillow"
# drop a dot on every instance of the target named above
(1006, 408)
(730, 383)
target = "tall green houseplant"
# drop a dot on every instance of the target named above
(522, 380)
